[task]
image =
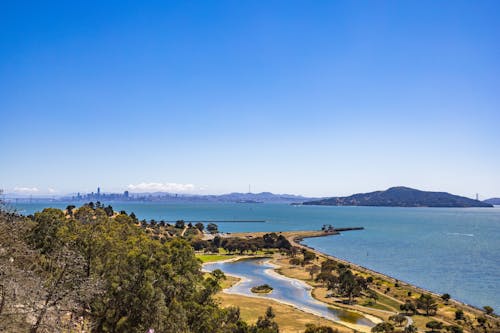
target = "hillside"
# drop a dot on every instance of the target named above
(401, 197)
(493, 201)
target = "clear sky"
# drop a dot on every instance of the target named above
(308, 97)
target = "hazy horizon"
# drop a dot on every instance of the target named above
(317, 99)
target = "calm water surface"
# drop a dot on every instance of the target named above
(451, 250)
(286, 290)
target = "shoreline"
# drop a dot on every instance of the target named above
(446, 312)
(297, 241)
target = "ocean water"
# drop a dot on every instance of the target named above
(445, 250)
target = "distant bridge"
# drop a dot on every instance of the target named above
(220, 221)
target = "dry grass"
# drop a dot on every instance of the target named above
(288, 318)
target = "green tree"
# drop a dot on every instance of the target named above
(408, 307)
(309, 256)
(445, 298)
(311, 328)
(200, 226)
(266, 324)
(459, 314)
(411, 329)
(427, 303)
(44, 235)
(399, 319)
(488, 309)
(313, 269)
(212, 228)
(454, 329)
(383, 327)
(434, 325)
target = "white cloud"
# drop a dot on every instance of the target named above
(26, 190)
(51, 190)
(161, 187)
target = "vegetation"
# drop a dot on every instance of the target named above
(311, 328)
(95, 271)
(383, 327)
(434, 325)
(262, 289)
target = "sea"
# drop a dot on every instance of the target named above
(444, 250)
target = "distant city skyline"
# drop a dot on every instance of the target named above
(312, 98)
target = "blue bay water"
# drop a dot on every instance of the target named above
(449, 250)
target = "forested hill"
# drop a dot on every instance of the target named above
(401, 197)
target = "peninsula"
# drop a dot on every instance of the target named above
(401, 197)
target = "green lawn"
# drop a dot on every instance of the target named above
(213, 257)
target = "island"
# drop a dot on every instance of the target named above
(493, 201)
(401, 197)
(262, 289)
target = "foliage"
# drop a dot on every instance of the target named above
(488, 309)
(408, 307)
(383, 327)
(212, 228)
(427, 303)
(434, 325)
(445, 297)
(266, 324)
(398, 319)
(311, 328)
(56, 268)
(346, 284)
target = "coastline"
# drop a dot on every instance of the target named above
(393, 292)
(296, 240)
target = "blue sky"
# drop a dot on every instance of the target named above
(316, 98)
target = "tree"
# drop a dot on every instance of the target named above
(266, 324)
(180, 224)
(454, 329)
(347, 284)
(44, 233)
(411, 329)
(314, 269)
(309, 256)
(426, 302)
(459, 314)
(488, 309)
(311, 328)
(69, 209)
(445, 298)
(398, 319)
(383, 327)
(200, 226)
(408, 307)
(212, 228)
(109, 210)
(434, 325)
(373, 295)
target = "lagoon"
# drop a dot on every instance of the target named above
(255, 272)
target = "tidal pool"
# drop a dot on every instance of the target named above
(255, 272)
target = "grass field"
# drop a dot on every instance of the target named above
(213, 257)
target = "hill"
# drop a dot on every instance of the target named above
(401, 197)
(493, 201)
